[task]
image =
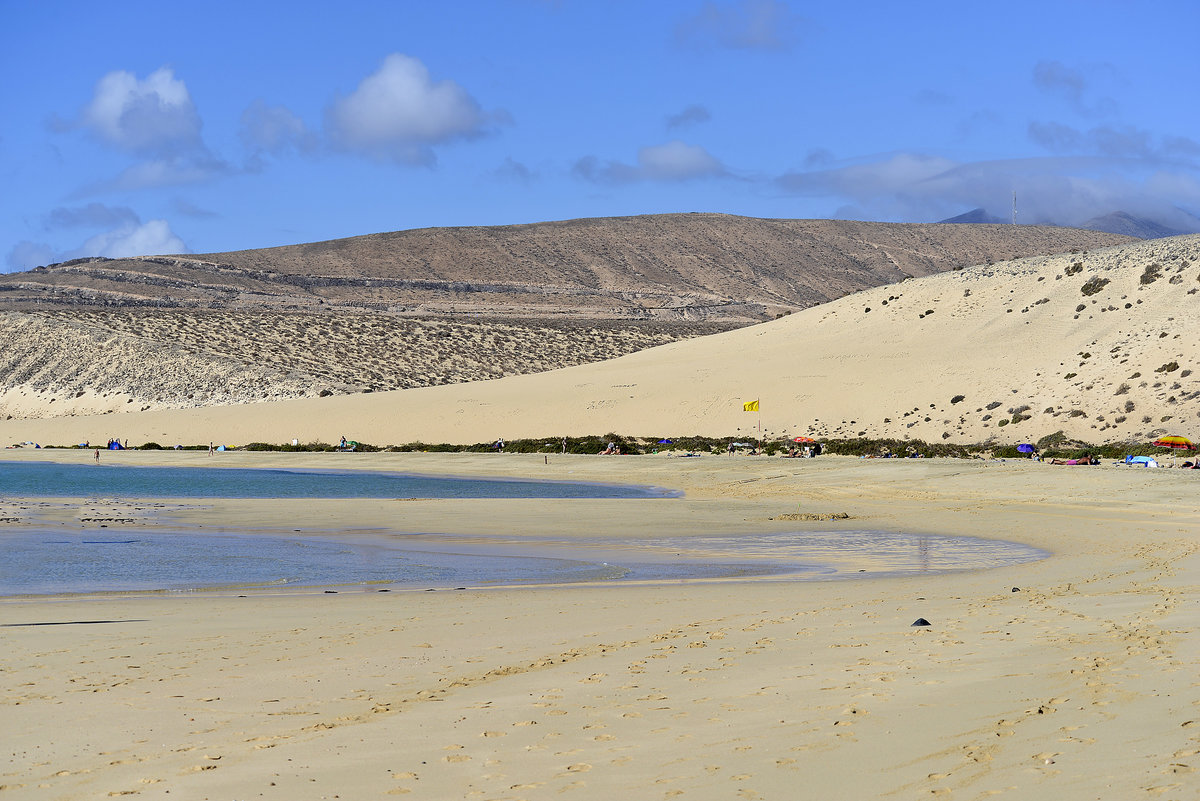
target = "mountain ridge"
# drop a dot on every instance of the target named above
(675, 267)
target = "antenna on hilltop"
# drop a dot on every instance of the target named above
(1014, 222)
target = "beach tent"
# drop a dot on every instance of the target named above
(115, 446)
(1140, 461)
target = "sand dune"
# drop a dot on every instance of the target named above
(1100, 345)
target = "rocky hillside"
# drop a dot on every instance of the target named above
(666, 267)
(87, 361)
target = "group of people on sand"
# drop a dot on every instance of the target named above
(613, 449)
(1080, 460)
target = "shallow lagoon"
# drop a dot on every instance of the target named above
(53, 562)
(43, 560)
(56, 480)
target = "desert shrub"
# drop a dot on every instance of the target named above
(1077, 413)
(1069, 376)
(303, 447)
(1018, 414)
(1081, 307)
(1093, 285)
(1151, 274)
(1121, 390)
(1077, 267)
(1169, 367)
(957, 399)
(150, 446)
(994, 405)
(1129, 406)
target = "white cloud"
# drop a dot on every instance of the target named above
(673, 161)
(274, 129)
(899, 173)
(399, 113)
(1062, 190)
(154, 116)
(131, 237)
(150, 238)
(678, 161)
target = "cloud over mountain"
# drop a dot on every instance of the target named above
(671, 161)
(399, 113)
(153, 116)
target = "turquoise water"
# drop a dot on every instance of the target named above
(26, 479)
(40, 560)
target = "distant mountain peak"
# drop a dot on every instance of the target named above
(1120, 222)
(978, 215)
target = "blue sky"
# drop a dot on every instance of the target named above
(148, 127)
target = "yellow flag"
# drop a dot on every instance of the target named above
(750, 406)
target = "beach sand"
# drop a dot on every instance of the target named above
(1067, 678)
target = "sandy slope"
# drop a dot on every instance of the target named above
(1069, 678)
(1017, 339)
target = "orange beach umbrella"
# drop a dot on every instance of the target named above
(1179, 443)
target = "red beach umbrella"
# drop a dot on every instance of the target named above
(803, 439)
(1175, 443)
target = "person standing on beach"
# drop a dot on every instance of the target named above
(210, 449)
(97, 456)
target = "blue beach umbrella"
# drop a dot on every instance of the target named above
(1025, 447)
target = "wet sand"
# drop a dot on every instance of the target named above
(1070, 677)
